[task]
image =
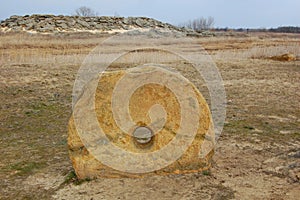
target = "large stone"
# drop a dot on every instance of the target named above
(126, 21)
(46, 28)
(140, 22)
(63, 26)
(15, 17)
(71, 23)
(195, 158)
(12, 24)
(29, 26)
(83, 23)
(98, 26)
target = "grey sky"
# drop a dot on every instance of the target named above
(227, 13)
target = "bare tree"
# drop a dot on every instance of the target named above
(210, 22)
(200, 24)
(85, 12)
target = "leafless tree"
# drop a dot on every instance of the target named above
(85, 12)
(200, 24)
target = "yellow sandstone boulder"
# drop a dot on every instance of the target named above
(156, 113)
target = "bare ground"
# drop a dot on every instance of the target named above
(258, 153)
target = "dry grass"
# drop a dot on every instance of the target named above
(20, 48)
(25, 48)
(259, 52)
(255, 46)
(260, 136)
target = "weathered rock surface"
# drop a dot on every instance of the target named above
(85, 163)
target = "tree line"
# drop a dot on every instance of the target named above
(282, 29)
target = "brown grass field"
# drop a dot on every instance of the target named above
(257, 156)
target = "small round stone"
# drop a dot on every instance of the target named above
(142, 134)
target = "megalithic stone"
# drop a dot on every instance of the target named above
(156, 112)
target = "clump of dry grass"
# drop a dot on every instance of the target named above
(284, 57)
(273, 51)
(263, 52)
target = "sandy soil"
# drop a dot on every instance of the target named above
(258, 153)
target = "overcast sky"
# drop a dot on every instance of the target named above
(227, 13)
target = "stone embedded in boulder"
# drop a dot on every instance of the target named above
(144, 139)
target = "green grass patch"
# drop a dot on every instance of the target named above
(206, 172)
(72, 178)
(25, 168)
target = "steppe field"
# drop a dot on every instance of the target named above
(257, 156)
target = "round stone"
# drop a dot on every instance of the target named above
(142, 135)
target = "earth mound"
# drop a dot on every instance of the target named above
(60, 23)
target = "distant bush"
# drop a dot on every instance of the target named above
(200, 24)
(283, 29)
(286, 29)
(85, 12)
